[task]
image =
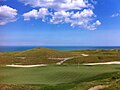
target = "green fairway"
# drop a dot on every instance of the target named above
(71, 74)
(52, 75)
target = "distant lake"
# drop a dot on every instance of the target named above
(62, 48)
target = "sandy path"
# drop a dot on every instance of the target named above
(40, 65)
(98, 87)
(116, 62)
(62, 60)
(65, 59)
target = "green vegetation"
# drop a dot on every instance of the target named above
(34, 56)
(94, 56)
(111, 80)
(53, 75)
(57, 77)
(16, 87)
(68, 76)
(42, 55)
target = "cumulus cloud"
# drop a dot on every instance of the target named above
(41, 13)
(79, 19)
(77, 13)
(93, 25)
(116, 14)
(7, 14)
(57, 4)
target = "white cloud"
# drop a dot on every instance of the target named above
(41, 13)
(7, 14)
(83, 19)
(77, 13)
(115, 15)
(60, 17)
(57, 4)
(30, 14)
(93, 25)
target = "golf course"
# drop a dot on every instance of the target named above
(38, 69)
(59, 44)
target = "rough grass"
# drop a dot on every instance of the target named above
(34, 56)
(41, 55)
(16, 87)
(95, 56)
(108, 79)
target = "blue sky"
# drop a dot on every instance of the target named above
(60, 22)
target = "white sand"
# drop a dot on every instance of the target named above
(98, 87)
(40, 65)
(116, 62)
(85, 55)
(65, 59)
(62, 60)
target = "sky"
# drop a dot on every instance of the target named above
(59, 22)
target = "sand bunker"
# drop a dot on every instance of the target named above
(98, 87)
(40, 65)
(85, 55)
(102, 63)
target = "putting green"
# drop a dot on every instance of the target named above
(53, 75)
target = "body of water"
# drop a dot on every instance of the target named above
(22, 48)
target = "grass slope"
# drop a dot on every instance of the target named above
(95, 56)
(41, 55)
(56, 77)
(34, 56)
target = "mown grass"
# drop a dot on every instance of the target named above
(56, 77)
(111, 79)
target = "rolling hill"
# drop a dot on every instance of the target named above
(33, 56)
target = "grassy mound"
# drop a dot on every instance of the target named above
(42, 55)
(34, 56)
(94, 56)
(43, 52)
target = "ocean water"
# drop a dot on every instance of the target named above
(61, 48)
